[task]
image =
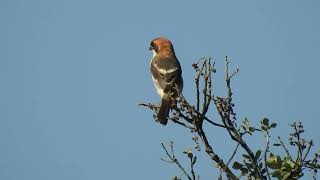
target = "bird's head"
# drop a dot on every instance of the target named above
(161, 45)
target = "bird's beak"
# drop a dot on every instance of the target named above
(150, 48)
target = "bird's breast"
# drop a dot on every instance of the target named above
(159, 89)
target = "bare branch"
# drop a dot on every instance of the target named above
(183, 124)
(285, 148)
(200, 71)
(266, 150)
(233, 154)
(174, 159)
(192, 169)
(207, 92)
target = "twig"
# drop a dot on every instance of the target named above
(228, 78)
(297, 135)
(308, 150)
(285, 148)
(155, 107)
(205, 86)
(215, 157)
(149, 105)
(233, 154)
(225, 111)
(197, 84)
(267, 136)
(213, 123)
(183, 124)
(201, 116)
(185, 102)
(192, 169)
(189, 120)
(208, 88)
(174, 159)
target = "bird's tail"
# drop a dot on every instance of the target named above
(164, 110)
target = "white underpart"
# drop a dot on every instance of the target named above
(155, 82)
(154, 53)
(159, 90)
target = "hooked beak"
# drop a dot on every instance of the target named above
(150, 48)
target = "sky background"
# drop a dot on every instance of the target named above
(73, 71)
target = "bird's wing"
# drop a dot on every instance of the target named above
(167, 72)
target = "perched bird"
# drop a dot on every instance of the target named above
(166, 75)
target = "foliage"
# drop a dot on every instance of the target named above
(259, 164)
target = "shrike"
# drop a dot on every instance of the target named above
(166, 75)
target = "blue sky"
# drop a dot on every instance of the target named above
(72, 73)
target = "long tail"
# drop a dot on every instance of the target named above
(164, 110)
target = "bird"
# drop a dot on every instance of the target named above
(166, 75)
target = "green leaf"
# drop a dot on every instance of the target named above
(194, 160)
(246, 121)
(246, 156)
(175, 178)
(273, 125)
(246, 124)
(301, 174)
(274, 162)
(279, 161)
(277, 174)
(287, 164)
(265, 121)
(286, 167)
(248, 164)
(272, 155)
(260, 165)
(237, 165)
(244, 171)
(257, 155)
(189, 153)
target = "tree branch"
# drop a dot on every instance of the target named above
(174, 159)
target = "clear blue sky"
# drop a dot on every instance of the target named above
(73, 71)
